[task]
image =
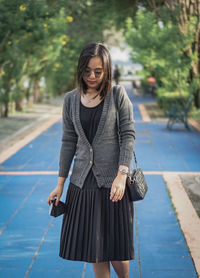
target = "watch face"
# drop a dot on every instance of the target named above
(124, 171)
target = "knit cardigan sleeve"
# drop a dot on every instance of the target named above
(69, 140)
(126, 127)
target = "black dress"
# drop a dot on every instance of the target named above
(95, 229)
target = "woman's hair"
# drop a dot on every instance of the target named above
(92, 50)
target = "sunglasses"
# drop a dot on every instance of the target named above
(97, 73)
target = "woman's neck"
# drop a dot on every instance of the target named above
(91, 92)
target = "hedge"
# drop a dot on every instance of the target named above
(165, 98)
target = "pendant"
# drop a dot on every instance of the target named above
(89, 100)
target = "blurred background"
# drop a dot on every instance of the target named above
(40, 42)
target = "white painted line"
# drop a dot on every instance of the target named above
(189, 220)
(84, 269)
(144, 113)
(17, 173)
(19, 208)
(40, 245)
(171, 172)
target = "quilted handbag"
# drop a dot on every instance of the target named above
(136, 183)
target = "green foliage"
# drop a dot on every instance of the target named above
(195, 113)
(165, 98)
(26, 28)
(43, 39)
(160, 48)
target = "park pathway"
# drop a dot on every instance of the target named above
(29, 237)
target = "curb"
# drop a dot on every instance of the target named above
(189, 220)
(195, 124)
(147, 118)
(12, 149)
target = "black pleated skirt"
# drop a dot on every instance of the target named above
(95, 229)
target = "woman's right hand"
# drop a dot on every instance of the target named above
(57, 192)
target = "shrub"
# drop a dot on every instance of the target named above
(166, 98)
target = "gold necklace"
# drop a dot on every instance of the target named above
(89, 100)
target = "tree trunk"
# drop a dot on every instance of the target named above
(6, 102)
(19, 105)
(197, 98)
(36, 91)
(5, 107)
(6, 110)
(28, 90)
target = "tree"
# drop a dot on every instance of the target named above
(32, 36)
(160, 48)
(183, 13)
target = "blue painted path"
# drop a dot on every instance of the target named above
(29, 237)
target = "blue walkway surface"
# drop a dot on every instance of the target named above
(29, 237)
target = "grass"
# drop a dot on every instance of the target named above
(195, 113)
(172, 204)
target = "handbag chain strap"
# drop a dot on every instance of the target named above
(115, 88)
(135, 159)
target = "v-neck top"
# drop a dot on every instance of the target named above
(90, 117)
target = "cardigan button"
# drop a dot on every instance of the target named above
(97, 174)
(90, 150)
(90, 161)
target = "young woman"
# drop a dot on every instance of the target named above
(98, 226)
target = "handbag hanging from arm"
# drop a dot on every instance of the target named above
(135, 181)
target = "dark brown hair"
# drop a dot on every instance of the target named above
(92, 50)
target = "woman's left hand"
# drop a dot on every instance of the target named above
(118, 188)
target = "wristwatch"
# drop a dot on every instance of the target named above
(123, 171)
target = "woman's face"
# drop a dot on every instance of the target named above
(93, 74)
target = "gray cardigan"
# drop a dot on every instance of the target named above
(105, 154)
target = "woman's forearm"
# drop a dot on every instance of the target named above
(123, 167)
(61, 181)
(120, 168)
